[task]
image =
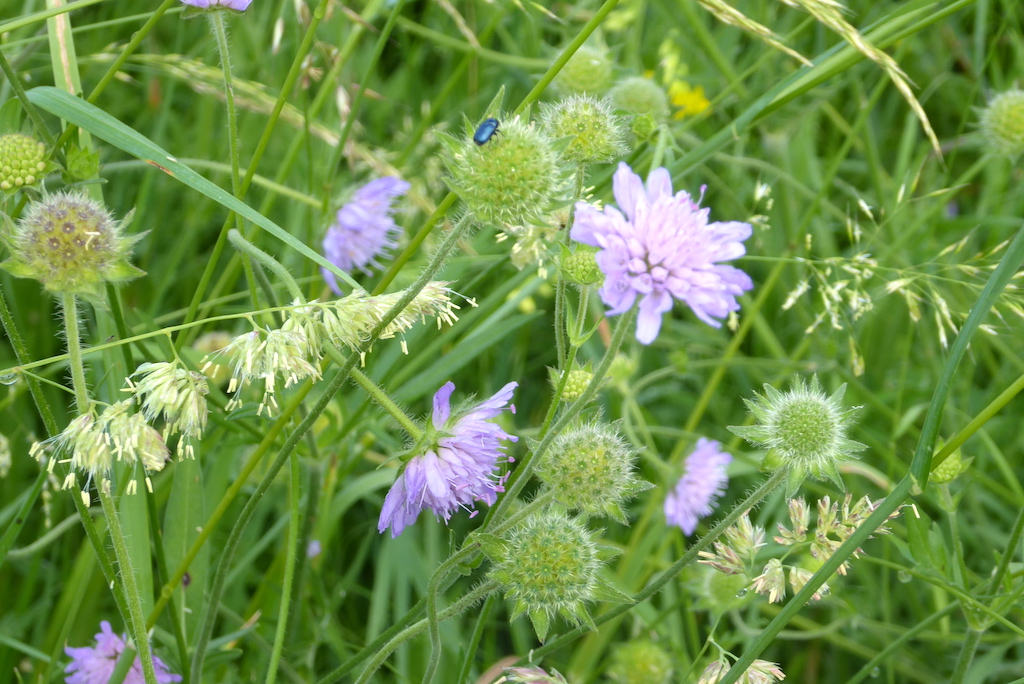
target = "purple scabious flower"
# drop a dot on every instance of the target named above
(661, 247)
(95, 665)
(697, 491)
(363, 229)
(458, 467)
(237, 5)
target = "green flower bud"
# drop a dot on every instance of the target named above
(549, 566)
(81, 164)
(953, 467)
(575, 384)
(640, 97)
(803, 429)
(598, 135)
(72, 245)
(580, 267)
(641, 662)
(1002, 122)
(22, 162)
(590, 469)
(513, 180)
(589, 70)
(643, 126)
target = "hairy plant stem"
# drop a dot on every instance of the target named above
(69, 304)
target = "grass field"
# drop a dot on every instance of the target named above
(226, 337)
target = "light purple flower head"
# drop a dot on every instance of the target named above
(363, 229)
(697, 491)
(237, 5)
(95, 665)
(660, 246)
(459, 466)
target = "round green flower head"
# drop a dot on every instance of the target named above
(641, 662)
(590, 468)
(589, 70)
(514, 180)
(803, 430)
(549, 565)
(1002, 122)
(598, 135)
(640, 97)
(72, 245)
(580, 267)
(575, 384)
(22, 161)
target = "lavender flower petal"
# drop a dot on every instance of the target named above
(697, 492)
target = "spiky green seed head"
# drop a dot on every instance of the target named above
(589, 70)
(549, 566)
(803, 430)
(514, 180)
(597, 134)
(72, 245)
(641, 662)
(591, 470)
(639, 96)
(22, 162)
(580, 267)
(1002, 122)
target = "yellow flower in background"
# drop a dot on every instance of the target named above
(689, 101)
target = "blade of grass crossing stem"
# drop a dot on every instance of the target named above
(102, 125)
(919, 466)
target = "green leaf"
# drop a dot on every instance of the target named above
(184, 516)
(90, 118)
(134, 519)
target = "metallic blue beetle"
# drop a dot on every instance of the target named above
(485, 130)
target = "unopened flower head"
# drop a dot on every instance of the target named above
(660, 247)
(72, 245)
(265, 355)
(513, 181)
(95, 664)
(575, 385)
(457, 463)
(215, 5)
(580, 267)
(22, 162)
(591, 470)
(531, 675)
(589, 70)
(549, 566)
(640, 96)
(174, 394)
(641, 661)
(803, 430)
(363, 228)
(759, 672)
(1002, 122)
(350, 320)
(703, 481)
(598, 135)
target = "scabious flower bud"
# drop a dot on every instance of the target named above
(803, 430)
(575, 384)
(1002, 122)
(641, 662)
(589, 70)
(549, 565)
(514, 180)
(598, 135)
(639, 96)
(580, 267)
(953, 467)
(590, 469)
(72, 245)
(22, 162)
(80, 164)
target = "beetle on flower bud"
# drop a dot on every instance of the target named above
(485, 131)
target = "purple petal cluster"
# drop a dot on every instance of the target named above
(661, 247)
(238, 5)
(458, 469)
(95, 664)
(697, 491)
(363, 229)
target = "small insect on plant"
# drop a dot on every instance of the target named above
(485, 130)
